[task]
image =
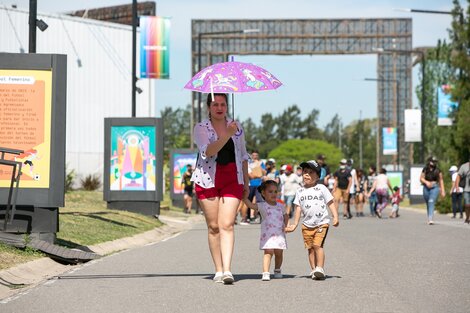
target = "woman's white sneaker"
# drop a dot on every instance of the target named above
(266, 276)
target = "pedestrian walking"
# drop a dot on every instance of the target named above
(273, 223)
(354, 187)
(373, 195)
(188, 187)
(396, 199)
(312, 201)
(456, 193)
(221, 178)
(433, 185)
(290, 182)
(381, 186)
(463, 180)
(343, 182)
(360, 196)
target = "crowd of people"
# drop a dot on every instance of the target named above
(228, 181)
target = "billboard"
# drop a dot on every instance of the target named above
(179, 159)
(389, 137)
(25, 124)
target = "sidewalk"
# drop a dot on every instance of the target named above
(21, 278)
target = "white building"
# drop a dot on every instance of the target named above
(99, 65)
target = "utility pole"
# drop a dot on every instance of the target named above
(360, 139)
(33, 12)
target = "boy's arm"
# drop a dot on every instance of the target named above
(291, 228)
(334, 212)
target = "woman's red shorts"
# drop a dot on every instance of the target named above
(226, 184)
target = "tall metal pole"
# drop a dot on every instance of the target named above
(33, 12)
(134, 48)
(360, 139)
(398, 124)
(199, 60)
(423, 107)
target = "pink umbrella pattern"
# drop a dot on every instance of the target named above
(233, 77)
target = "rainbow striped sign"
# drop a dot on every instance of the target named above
(390, 140)
(154, 47)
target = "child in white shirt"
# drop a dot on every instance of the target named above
(311, 200)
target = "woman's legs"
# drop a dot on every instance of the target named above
(226, 218)
(454, 196)
(433, 193)
(210, 208)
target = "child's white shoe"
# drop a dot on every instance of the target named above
(318, 273)
(277, 273)
(266, 276)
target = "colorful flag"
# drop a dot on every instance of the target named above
(445, 105)
(154, 47)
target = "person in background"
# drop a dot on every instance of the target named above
(325, 170)
(396, 199)
(354, 187)
(221, 180)
(381, 186)
(256, 171)
(456, 193)
(341, 187)
(188, 187)
(433, 185)
(463, 180)
(291, 183)
(360, 197)
(372, 196)
(273, 223)
(271, 173)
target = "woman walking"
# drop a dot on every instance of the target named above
(433, 184)
(221, 178)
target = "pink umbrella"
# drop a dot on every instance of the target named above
(232, 77)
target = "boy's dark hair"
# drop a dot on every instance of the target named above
(265, 184)
(209, 98)
(396, 188)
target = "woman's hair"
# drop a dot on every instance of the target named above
(265, 184)
(383, 171)
(360, 172)
(209, 98)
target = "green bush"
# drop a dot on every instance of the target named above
(69, 178)
(91, 182)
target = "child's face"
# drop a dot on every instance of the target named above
(270, 193)
(310, 176)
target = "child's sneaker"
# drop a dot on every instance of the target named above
(277, 273)
(319, 273)
(266, 276)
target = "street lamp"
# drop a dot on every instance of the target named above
(199, 60)
(397, 113)
(423, 93)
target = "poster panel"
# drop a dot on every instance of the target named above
(412, 125)
(25, 124)
(396, 179)
(154, 47)
(416, 188)
(133, 158)
(180, 162)
(389, 137)
(445, 106)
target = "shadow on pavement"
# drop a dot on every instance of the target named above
(127, 276)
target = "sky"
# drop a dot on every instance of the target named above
(331, 84)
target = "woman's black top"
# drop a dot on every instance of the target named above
(431, 174)
(227, 153)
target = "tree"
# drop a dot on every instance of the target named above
(351, 142)
(332, 130)
(460, 61)
(176, 133)
(296, 151)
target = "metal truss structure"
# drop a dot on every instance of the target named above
(320, 37)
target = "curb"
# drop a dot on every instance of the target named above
(21, 278)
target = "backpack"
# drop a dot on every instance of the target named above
(463, 181)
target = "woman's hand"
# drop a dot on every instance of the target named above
(232, 128)
(443, 193)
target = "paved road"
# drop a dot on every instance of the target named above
(373, 265)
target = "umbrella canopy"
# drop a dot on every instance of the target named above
(232, 77)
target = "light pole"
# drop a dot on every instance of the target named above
(423, 90)
(199, 55)
(397, 103)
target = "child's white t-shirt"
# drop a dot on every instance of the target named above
(313, 202)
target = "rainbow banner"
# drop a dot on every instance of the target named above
(154, 47)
